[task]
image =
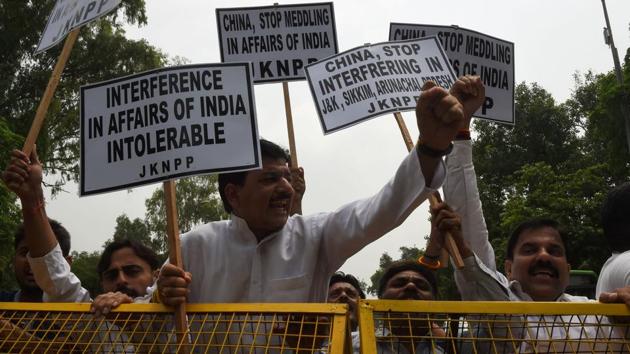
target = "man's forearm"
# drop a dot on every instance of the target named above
(39, 236)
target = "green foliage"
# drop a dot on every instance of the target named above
(198, 202)
(102, 52)
(573, 198)
(84, 267)
(557, 161)
(605, 129)
(135, 230)
(543, 132)
(10, 215)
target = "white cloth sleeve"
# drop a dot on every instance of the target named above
(53, 275)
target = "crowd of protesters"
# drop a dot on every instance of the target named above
(268, 252)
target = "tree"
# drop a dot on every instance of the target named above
(10, 215)
(84, 267)
(605, 136)
(135, 230)
(543, 131)
(101, 52)
(573, 198)
(197, 202)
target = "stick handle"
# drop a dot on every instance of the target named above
(287, 110)
(40, 114)
(404, 131)
(450, 244)
(174, 253)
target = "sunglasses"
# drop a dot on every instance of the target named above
(131, 270)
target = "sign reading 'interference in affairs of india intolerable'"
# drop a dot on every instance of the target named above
(167, 123)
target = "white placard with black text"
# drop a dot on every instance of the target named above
(279, 40)
(70, 14)
(371, 80)
(167, 123)
(474, 53)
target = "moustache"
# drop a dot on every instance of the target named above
(410, 295)
(281, 196)
(128, 291)
(543, 266)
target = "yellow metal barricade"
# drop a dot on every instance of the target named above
(148, 328)
(388, 326)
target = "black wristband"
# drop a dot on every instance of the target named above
(463, 135)
(425, 150)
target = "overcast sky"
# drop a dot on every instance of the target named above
(553, 40)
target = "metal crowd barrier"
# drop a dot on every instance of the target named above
(149, 328)
(385, 327)
(388, 326)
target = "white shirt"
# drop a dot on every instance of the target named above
(480, 280)
(294, 264)
(52, 274)
(615, 273)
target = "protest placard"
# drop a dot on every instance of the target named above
(167, 123)
(368, 81)
(70, 14)
(279, 40)
(473, 53)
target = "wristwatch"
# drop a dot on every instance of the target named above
(426, 150)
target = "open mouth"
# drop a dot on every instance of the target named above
(544, 273)
(280, 205)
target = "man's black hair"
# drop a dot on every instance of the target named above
(268, 150)
(535, 224)
(142, 251)
(341, 277)
(404, 265)
(615, 216)
(62, 235)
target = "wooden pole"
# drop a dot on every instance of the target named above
(40, 114)
(404, 131)
(175, 254)
(287, 109)
(450, 245)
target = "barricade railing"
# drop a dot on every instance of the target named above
(388, 326)
(149, 328)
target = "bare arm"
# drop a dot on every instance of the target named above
(24, 177)
(52, 272)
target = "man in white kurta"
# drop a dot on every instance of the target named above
(263, 255)
(480, 279)
(615, 273)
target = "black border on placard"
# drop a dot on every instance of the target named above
(274, 80)
(512, 122)
(360, 120)
(254, 128)
(69, 30)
